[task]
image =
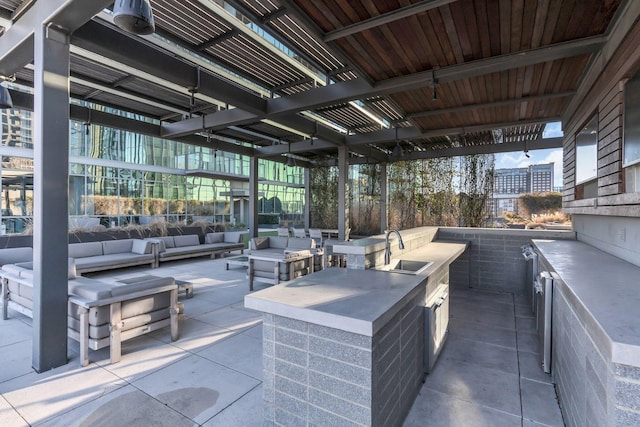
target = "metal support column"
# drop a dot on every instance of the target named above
(253, 196)
(384, 185)
(307, 198)
(343, 191)
(50, 196)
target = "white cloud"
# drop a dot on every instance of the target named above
(509, 160)
(555, 156)
(552, 130)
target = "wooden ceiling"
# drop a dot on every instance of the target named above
(430, 74)
(460, 32)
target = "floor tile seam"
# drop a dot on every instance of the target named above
(538, 423)
(183, 356)
(203, 298)
(231, 403)
(226, 327)
(474, 310)
(221, 364)
(484, 342)
(471, 402)
(13, 408)
(471, 300)
(527, 316)
(200, 321)
(260, 380)
(486, 304)
(458, 335)
(482, 323)
(31, 371)
(164, 404)
(495, 371)
(481, 301)
(519, 369)
(502, 328)
(2, 346)
(537, 381)
(123, 383)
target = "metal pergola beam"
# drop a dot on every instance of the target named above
(104, 41)
(538, 144)
(360, 89)
(409, 133)
(495, 104)
(218, 39)
(16, 49)
(385, 18)
(25, 101)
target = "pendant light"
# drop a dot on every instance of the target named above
(397, 150)
(291, 162)
(5, 98)
(134, 16)
(434, 84)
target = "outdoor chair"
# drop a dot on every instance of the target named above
(316, 234)
(283, 231)
(299, 232)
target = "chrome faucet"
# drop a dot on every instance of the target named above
(387, 247)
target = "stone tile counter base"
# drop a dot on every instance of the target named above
(312, 372)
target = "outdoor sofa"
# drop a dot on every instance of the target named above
(187, 246)
(109, 254)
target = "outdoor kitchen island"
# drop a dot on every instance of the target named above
(345, 346)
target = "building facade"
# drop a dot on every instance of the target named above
(118, 177)
(511, 183)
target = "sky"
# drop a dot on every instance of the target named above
(519, 160)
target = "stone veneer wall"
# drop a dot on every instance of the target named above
(493, 261)
(593, 391)
(315, 375)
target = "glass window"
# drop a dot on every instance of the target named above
(587, 152)
(632, 121)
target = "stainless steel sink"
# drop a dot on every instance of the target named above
(406, 266)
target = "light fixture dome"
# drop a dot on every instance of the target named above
(134, 16)
(5, 98)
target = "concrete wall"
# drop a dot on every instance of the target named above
(494, 259)
(616, 235)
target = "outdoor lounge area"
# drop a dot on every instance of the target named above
(213, 374)
(276, 212)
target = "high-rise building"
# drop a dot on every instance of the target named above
(511, 183)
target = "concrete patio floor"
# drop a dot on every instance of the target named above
(487, 375)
